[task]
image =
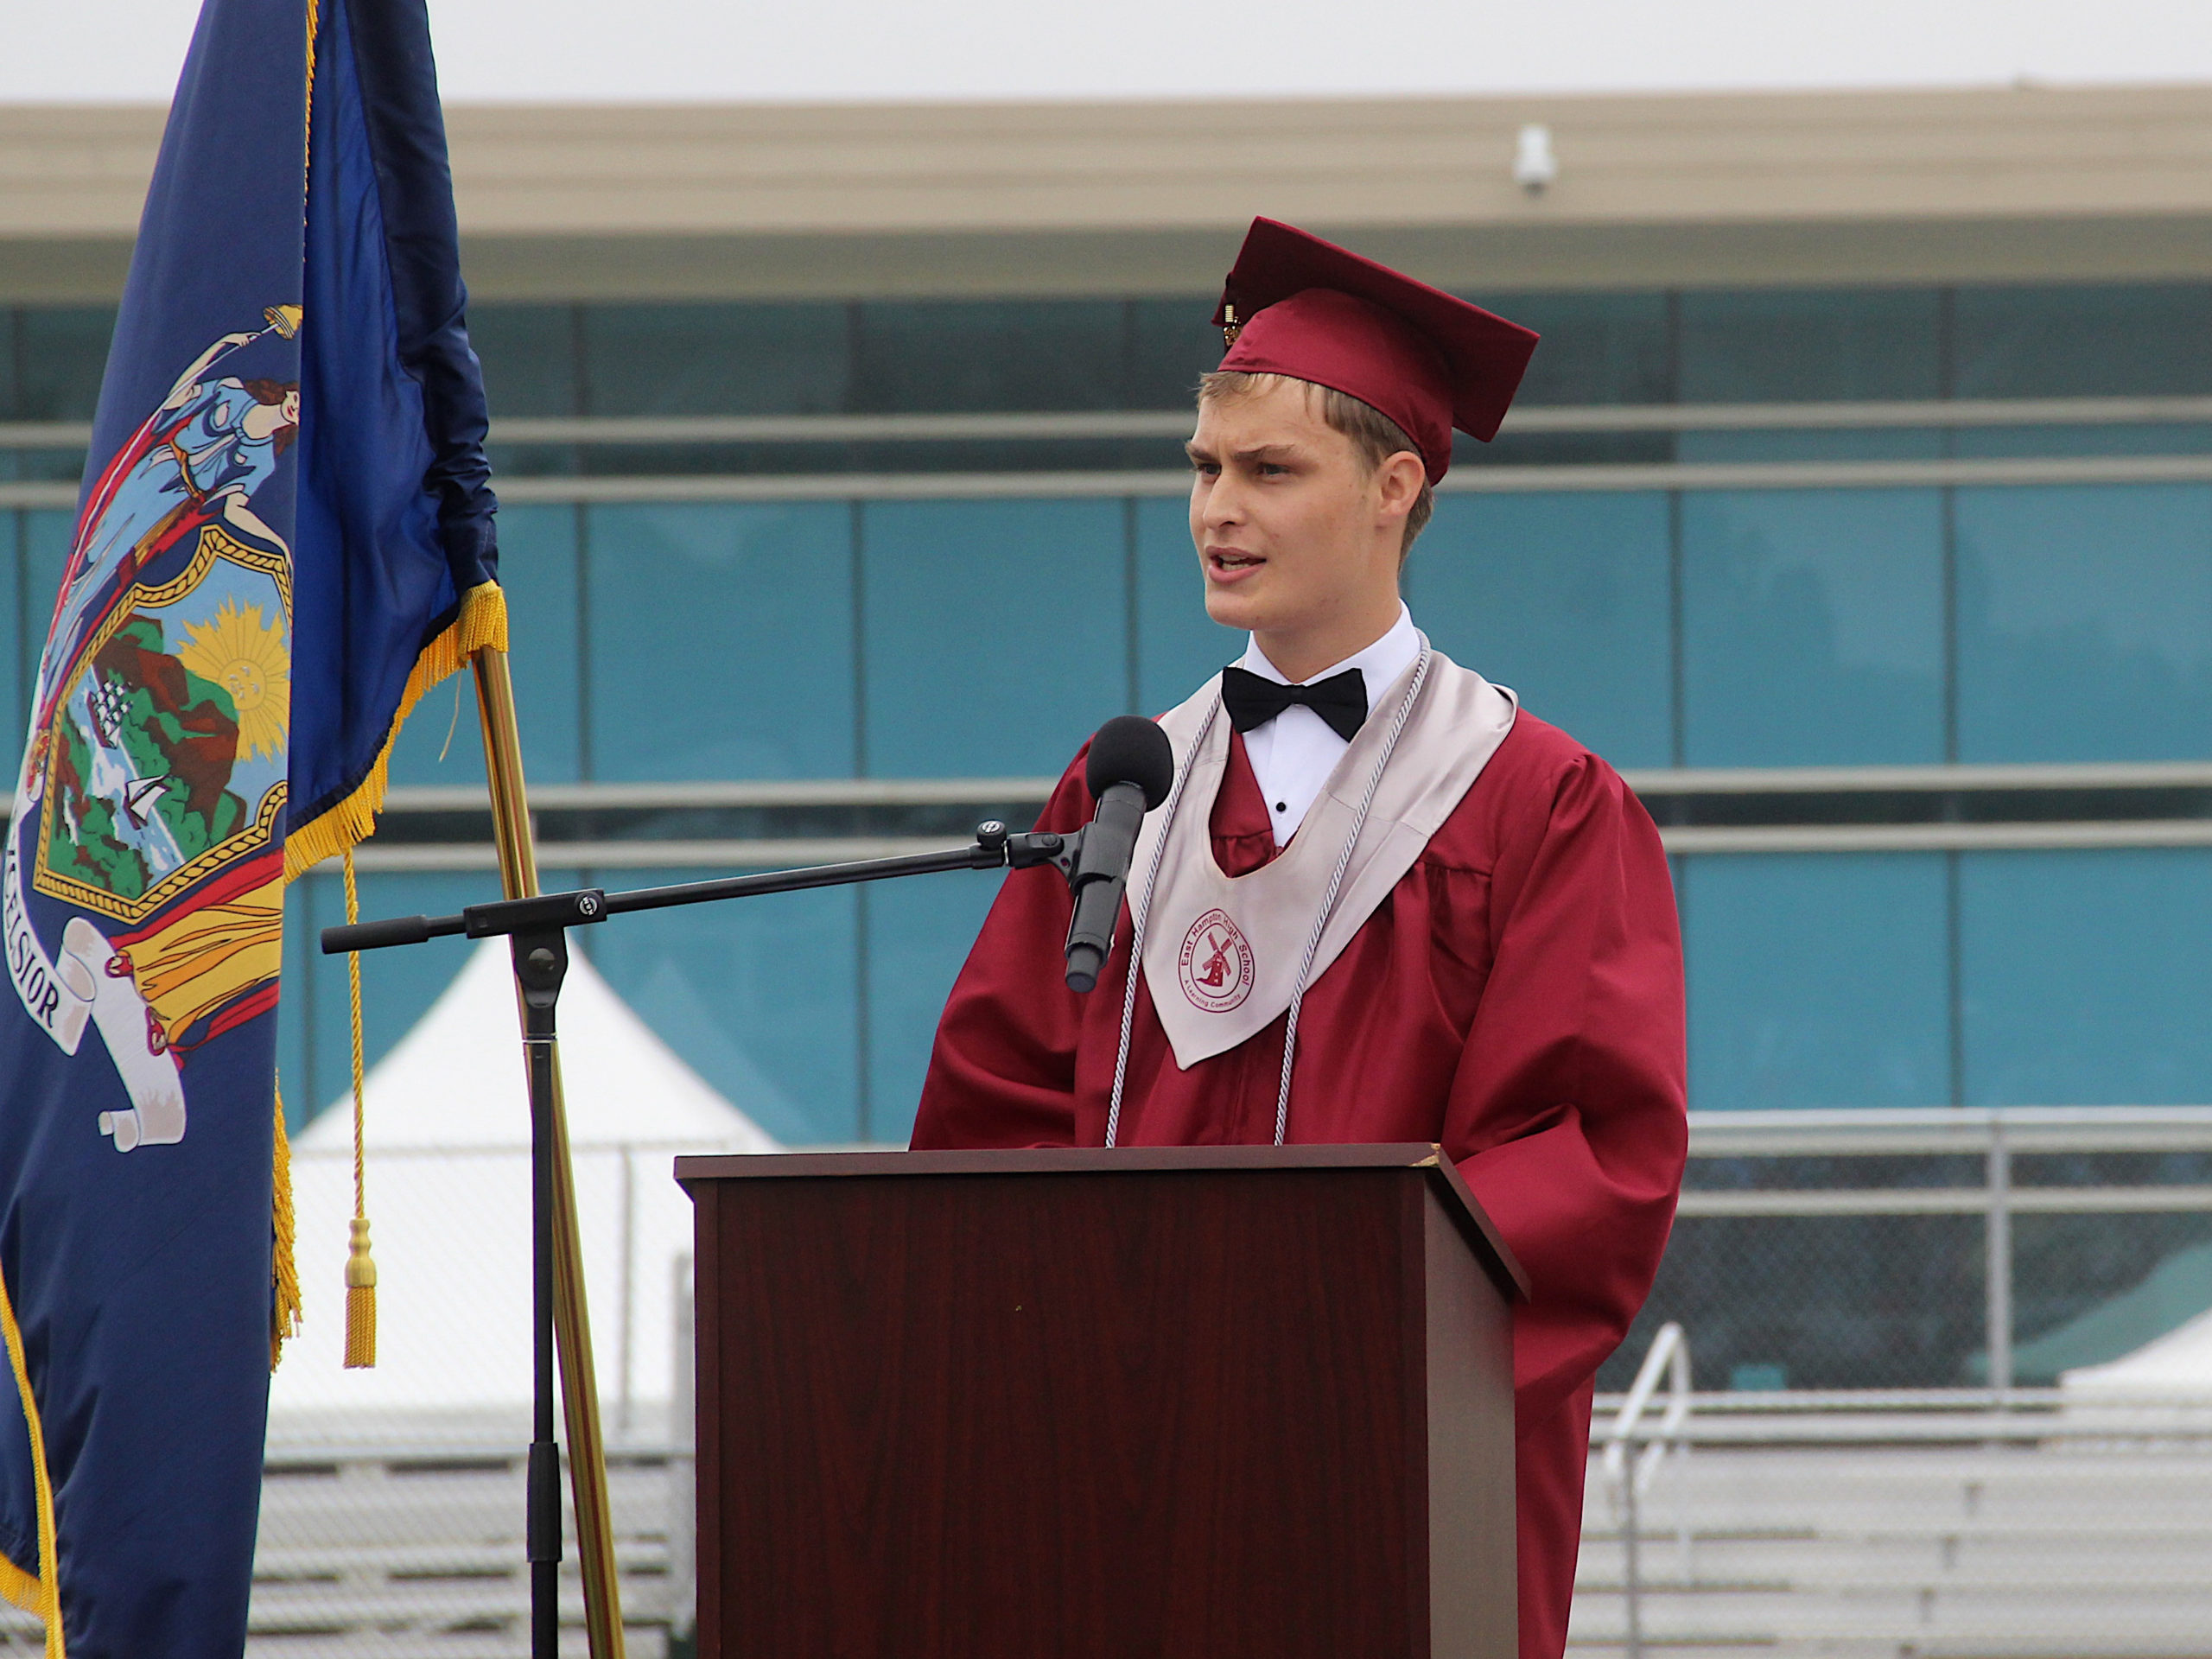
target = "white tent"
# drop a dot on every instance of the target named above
(2177, 1363)
(447, 1135)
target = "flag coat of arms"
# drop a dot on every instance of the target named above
(284, 538)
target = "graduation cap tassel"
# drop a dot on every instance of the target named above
(360, 1266)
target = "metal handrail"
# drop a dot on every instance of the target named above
(1670, 1354)
(1670, 1357)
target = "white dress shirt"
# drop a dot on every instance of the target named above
(1294, 753)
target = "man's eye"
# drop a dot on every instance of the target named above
(1272, 469)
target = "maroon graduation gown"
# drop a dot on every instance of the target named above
(1517, 998)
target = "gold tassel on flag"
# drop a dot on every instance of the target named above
(360, 1266)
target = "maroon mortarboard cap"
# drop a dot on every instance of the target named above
(1304, 308)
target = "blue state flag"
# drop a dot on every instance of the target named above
(284, 538)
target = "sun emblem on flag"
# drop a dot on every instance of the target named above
(247, 657)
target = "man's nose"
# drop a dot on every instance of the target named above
(1225, 503)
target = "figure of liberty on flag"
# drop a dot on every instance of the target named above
(157, 755)
(199, 456)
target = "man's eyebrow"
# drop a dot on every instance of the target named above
(1261, 452)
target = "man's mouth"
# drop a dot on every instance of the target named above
(1228, 564)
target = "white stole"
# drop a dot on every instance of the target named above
(1222, 953)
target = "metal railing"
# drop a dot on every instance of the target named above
(1628, 1473)
(1838, 1251)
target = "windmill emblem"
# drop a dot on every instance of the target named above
(1215, 964)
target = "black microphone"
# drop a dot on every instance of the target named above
(1130, 771)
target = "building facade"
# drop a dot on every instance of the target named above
(1859, 506)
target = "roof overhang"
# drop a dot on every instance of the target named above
(673, 201)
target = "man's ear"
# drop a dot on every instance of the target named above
(1397, 484)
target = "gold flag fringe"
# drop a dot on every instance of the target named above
(283, 1270)
(482, 621)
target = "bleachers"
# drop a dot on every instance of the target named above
(2016, 1548)
(417, 1553)
(2049, 1550)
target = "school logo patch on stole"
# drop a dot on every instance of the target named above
(1215, 964)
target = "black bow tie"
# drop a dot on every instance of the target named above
(1253, 700)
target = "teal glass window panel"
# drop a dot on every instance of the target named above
(918, 934)
(2145, 438)
(45, 550)
(2082, 340)
(995, 634)
(716, 359)
(1812, 627)
(2085, 622)
(1787, 345)
(1563, 597)
(1178, 646)
(943, 356)
(1595, 348)
(398, 985)
(1877, 443)
(14, 592)
(61, 354)
(1817, 979)
(720, 640)
(442, 742)
(528, 354)
(1171, 344)
(297, 1080)
(759, 996)
(2085, 976)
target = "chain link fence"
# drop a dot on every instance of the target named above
(1932, 1250)
(1819, 1259)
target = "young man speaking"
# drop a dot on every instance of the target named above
(1381, 904)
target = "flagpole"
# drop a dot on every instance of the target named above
(510, 828)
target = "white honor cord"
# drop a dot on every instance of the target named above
(1138, 910)
(1329, 903)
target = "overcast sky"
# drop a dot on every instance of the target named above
(720, 49)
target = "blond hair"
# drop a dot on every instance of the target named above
(1373, 435)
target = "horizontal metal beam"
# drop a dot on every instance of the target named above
(1928, 1130)
(1822, 780)
(764, 853)
(2098, 1417)
(1017, 425)
(1646, 781)
(678, 488)
(1693, 840)
(1947, 1201)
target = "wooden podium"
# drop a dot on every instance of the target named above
(1218, 1402)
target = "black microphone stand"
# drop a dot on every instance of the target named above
(537, 934)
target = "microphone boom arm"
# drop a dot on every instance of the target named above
(995, 847)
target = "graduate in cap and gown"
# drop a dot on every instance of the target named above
(1383, 902)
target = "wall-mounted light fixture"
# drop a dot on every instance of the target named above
(1533, 165)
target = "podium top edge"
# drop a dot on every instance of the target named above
(1052, 1160)
(1444, 1178)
